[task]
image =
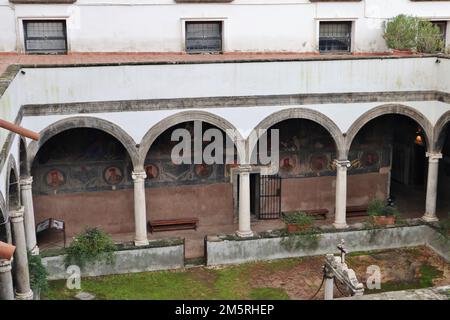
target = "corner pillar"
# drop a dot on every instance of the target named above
(23, 290)
(30, 225)
(6, 283)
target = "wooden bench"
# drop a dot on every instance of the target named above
(356, 211)
(172, 224)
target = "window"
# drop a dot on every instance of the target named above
(442, 25)
(204, 37)
(45, 36)
(335, 36)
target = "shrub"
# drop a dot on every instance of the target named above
(90, 246)
(379, 208)
(401, 32)
(38, 274)
(298, 218)
(429, 38)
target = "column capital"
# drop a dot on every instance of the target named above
(5, 265)
(26, 182)
(342, 163)
(434, 156)
(245, 168)
(138, 176)
(16, 215)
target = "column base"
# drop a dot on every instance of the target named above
(140, 243)
(24, 296)
(244, 234)
(340, 225)
(35, 251)
(429, 218)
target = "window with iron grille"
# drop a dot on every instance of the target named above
(45, 36)
(204, 37)
(442, 25)
(335, 36)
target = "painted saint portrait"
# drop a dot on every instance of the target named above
(318, 163)
(369, 158)
(287, 164)
(152, 171)
(113, 175)
(55, 178)
(203, 170)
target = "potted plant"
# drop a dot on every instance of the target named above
(297, 221)
(382, 214)
(429, 38)
(400, 34)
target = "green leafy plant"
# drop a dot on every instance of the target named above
(380, 208)
(38, 274)
(298, 218)
(401, 32)
(429, 38)
(92, 245)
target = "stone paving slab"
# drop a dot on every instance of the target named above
(436, 293)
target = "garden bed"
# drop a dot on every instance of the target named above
(297, 278)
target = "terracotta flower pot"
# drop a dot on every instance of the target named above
(384, 220)
(293, 228)
(397, 52)
(6, 250)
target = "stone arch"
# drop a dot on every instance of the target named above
(83, 122)
(307, 114)
(186, 116)
(439, 130)
(12, 168)
(386, 110)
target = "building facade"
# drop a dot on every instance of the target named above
(231, 26)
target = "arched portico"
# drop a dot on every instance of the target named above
(83, 122)
(334, 159)
(410, 138)
(390, 109)
(186, 116)
(307, 114)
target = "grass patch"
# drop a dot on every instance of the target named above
(269, 294)
(427, 274)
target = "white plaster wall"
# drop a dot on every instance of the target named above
(250, 25)
(7, 28)
(60, 85)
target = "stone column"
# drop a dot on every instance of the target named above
(140, 212)
(23, 290)
(329, 285)
(341, 194)
(244, 202)
(432, 183)
(6, 283)
(30, 225)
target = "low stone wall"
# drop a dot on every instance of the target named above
(268, 246)
(154, 257)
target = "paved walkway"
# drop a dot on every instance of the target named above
(436, 293)
(194, 239)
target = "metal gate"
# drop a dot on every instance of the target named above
(270, 197)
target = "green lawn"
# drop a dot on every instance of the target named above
(196, 283)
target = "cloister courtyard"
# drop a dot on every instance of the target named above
(300, 278)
